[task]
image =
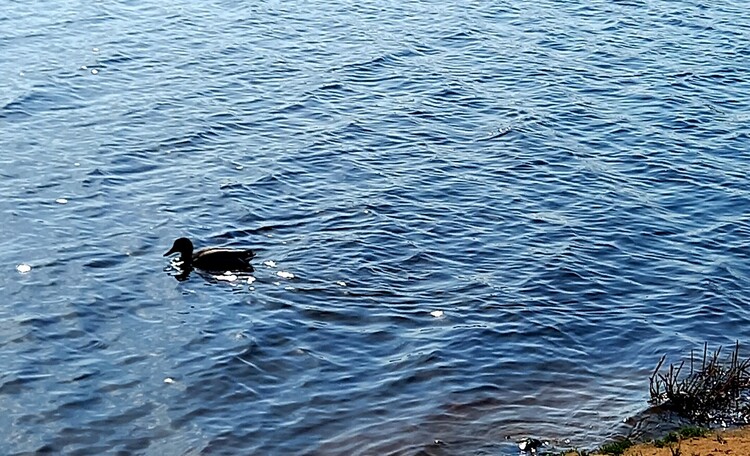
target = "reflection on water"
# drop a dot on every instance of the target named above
(473, 223)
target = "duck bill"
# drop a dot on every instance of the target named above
(171, 251)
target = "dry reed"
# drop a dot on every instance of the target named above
(713, 392)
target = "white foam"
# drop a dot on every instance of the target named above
(285, 275)
(23, 268)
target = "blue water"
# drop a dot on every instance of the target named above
(566, 181)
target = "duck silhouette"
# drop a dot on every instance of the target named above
(212, 259)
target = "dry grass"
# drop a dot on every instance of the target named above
(713, 391)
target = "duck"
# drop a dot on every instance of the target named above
(212, 259)
(531, 445)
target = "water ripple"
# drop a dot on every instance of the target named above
(472, 222)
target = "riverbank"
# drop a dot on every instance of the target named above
(734, 442)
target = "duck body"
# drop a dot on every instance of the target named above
(530, 445)
(212, 259)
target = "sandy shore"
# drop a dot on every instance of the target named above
(735, 442)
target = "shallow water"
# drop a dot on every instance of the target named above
(565, 181)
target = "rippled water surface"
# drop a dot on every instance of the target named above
(565, 181)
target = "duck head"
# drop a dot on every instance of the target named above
(184, 247)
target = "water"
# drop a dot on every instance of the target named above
(565, 181)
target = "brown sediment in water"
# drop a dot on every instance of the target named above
(734, 442)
